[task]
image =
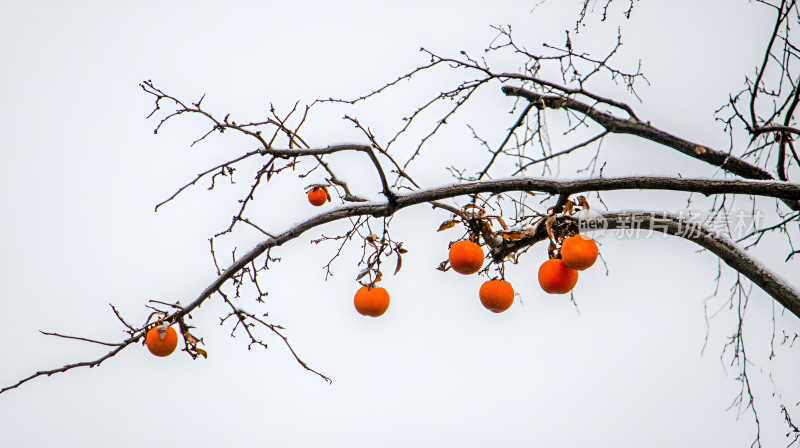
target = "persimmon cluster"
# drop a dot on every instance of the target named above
(569, 253)
(559, 275)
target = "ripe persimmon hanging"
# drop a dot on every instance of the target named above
(161, 341)
(317, 196)
(496, 295)
(579, 252)
(371, 301)
(466, 257)
(555, 277)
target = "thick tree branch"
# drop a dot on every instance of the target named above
(719, 245)
(617, 125)
(657, 221)
(664, 222)
(775, 128)
(705, 186)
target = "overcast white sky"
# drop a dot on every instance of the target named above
(82, 172)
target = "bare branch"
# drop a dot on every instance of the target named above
(79, 338)
(634, 127)
(68, 367)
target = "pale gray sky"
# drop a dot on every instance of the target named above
(83, 171)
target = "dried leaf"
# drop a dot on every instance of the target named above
(202, 352)
(399, 263)
(583, 202)
(513, 235)
(548, 225)
(190, 339)
(378, 277)
(443, 266)
(447, 224)
(362, 274)
(502, 223)
(328, 194)
(480, 210)
(569, 207)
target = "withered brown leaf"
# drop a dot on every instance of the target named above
(190, 338)
(548, 225)
(569, 207)
(371, 240)
(447, 224)
(399, 262)
(513, 235)
(502, 223)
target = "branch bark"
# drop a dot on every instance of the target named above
(721, 246)
(775, 189)
(635, 127)
(727, 250)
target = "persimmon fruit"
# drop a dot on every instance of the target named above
(466, 257)
(371, 301)
(317, 196)
(579, 252)
(555, 277)
(496, 295)
(161, 344)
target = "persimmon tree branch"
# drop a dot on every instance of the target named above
(68, 367)
(776, 128)
(656, 221)
(47, 333)
(757, 83)
(774, 189)
(635, 127)
(721, 246)
(495, 153)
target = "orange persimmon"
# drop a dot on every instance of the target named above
(555, 277)
(318, 196)
(496, 295)
(579, 252)
(161, 342)
(371, 301)
(466, 257)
